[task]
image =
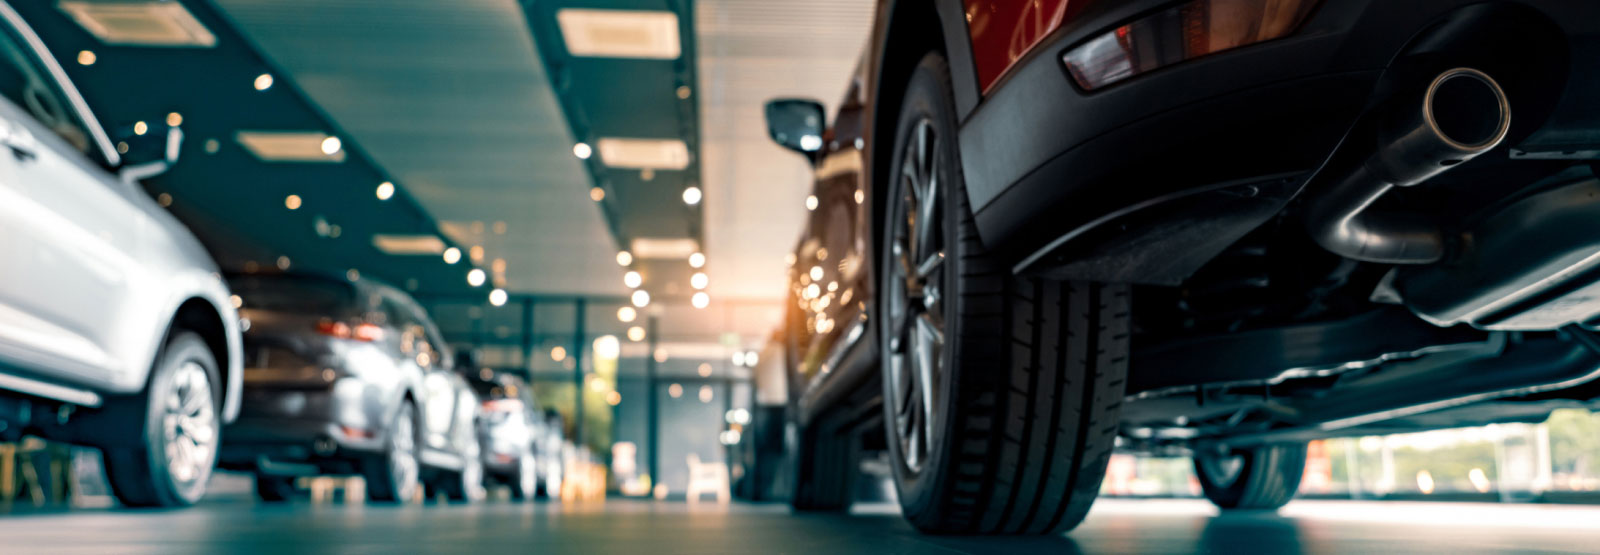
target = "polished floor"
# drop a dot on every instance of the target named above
(660, 528)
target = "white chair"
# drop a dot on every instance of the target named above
(704, 477)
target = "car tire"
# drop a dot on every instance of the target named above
(465, 485)
(394, 475)
(1001, 393)
(824, 468)
(274, 489)
(524, 481)
(1259, 478)
(180, 429)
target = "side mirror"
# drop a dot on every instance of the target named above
(796, 124)
(149, 154)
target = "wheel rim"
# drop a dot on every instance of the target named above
(403, 455)
(189, 425)
(1222, 469)
(915, 297)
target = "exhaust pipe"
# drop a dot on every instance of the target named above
(1464, 113)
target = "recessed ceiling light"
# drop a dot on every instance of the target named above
(497, 297)
(385, 190)
(408, 244)
(620, 33)
(174, 119)
(640, 298)
(636, 333)
(582, 151)
(811, 202)
(627, 314)
(292, 202)
(597, 194)
(476, 277)
(87, 57)
(263, 81)
(632, 279)
(657, 248)
(452, 255)
(624, 258)
(691, 196)
(140, 128)
(701, 300)
(659, 154)
(290, 146)
(697, 260)
(331, 145)
(699, 280)
(146, 23)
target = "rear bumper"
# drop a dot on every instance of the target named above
(304, 426)
(1042, 158)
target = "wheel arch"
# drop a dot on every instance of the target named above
(204, 318)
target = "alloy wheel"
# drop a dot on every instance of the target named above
(403, 464)
(914, 295)
(189, 425)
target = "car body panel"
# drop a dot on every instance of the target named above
(1002, 31)
(98, 269)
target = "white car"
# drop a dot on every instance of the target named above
(116, 329)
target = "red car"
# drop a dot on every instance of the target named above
(1045, 230)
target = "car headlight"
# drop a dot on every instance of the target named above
(1181, 33)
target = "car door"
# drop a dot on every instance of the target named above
(438, 392)
(69, 233)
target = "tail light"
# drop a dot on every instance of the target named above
(502, 405)
(1179, 34)
(358, 332)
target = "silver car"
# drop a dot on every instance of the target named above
(116, 329)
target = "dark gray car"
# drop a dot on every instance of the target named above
(349, 377)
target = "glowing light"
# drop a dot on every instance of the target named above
(607, 347)
(751, 357)
(613, 398)
(816, 273)
(641, 298)
(861, 196)
(582, 151)
(632, 279)
(597, 384)
(353, 274)
(705, 394)
(738, 358)
(789, 259)
(1479, 479)
(636, 333)
(1424, 482)
(704, 370)
(660, 355)
(236, 301)
(597, 194)
(812, 291)
(476, 277)
(476, 253)
(675, 391)
(452, 255)
(683, 92)
(87, 57)
(292, 202)
(691, 196)
(331, 145)
(700, 299)
(697, 260)
(811, 202)
(624, 258)
(497, 297)
(627, 314)
(810, 142)
(699, 280)
(558, 353)
(140, 128)
(283, 263)
(385, 190)
(263, 81)
(174, 119)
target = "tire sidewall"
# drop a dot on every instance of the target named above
(927, 95)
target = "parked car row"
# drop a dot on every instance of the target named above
(118, 331)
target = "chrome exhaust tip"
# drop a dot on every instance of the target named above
(1462, 114)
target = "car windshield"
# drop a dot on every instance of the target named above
(299, 295)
